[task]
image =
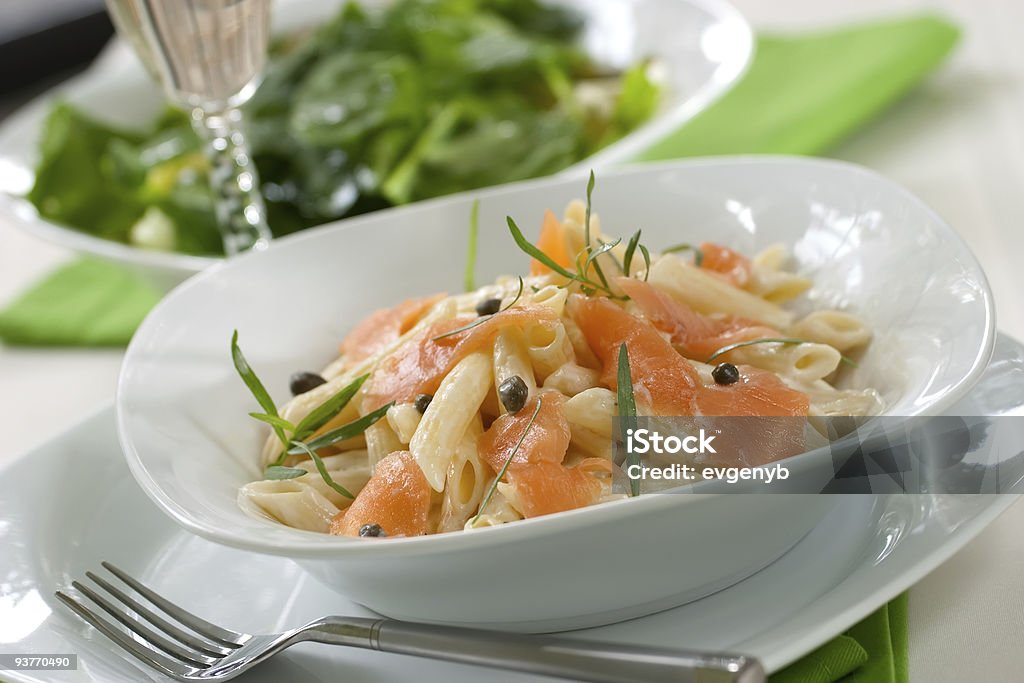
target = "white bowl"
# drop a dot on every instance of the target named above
(868, 244)
(705, 46)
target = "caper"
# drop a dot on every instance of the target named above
(725, 373)
(301, 382)
(488, 307)
(371, 530)
(422, 401)
(513, 393)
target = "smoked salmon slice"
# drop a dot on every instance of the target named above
(771, 427)
(552, 243)
(758, 392)
(544, 487)
(384, 327)
(694, 335)
(663, 381)
(419, 365)
(732, 265)
(397, 497)
(546, 440)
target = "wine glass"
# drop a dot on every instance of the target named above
(208, 56)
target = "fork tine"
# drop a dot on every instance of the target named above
(154, 639)
(215, 633)
(170, 629)
(144, 654)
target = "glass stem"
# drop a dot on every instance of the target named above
(241, 214)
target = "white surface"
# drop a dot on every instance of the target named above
(865, 552)
(705, 45)
(957, 142)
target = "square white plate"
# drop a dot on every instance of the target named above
(72, 503)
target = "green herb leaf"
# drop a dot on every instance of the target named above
(474, 228)
(698, 255)
(504, 468)
(321, 468)
(274, 421)
(627, 259)
(647, 261)
(518, 294)
(536, 253)
(256, 387)
(586, 234)
(615, 260)
(627, 408)
(323, 413)
(346, 431)
(603, 249)
(278, 473)
(482, 319)
(770, 340)
(459, 330)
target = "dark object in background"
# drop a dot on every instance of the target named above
(40, 39)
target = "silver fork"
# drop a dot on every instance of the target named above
(202, 651)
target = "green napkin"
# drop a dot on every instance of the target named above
(807, 92)
(873, 651)
(85, 303)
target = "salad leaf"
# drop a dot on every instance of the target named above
(369, 110)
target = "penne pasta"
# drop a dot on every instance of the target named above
(592, 409)
(835, 328)
(403, 418)
(572, 379)
(511, 359)
(498, 512)
(381, 441)
(291, 502)
(465, 486)
(548, 348)
(801, 362)
(429, 462)
(449, 414)
(708, 294)
(350, 469)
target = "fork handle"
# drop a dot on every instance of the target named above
(540, 654)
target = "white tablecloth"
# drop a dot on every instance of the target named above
(957, 142)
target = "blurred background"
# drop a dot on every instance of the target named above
(48, 41)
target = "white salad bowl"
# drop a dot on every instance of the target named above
(870, 247)
(704, 46)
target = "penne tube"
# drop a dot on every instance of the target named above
(403, 418)
(381, 441)
(572, 379)
(464, 488)
(835, 328)
(446, 419)
(592, 409)
(511, 358)
(801, 362)
(708, 294)
(290, 502)
(548, 348)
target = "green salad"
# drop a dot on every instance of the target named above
(369, 110)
